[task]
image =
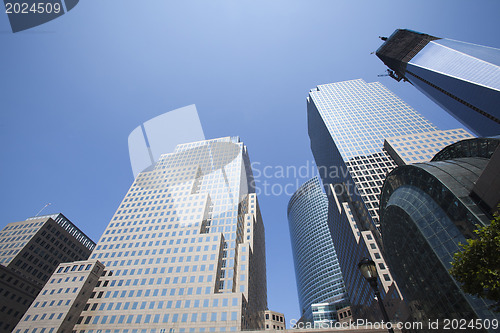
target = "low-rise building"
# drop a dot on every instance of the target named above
(60, 303)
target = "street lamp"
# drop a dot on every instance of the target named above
(369, 271)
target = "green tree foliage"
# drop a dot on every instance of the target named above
(477, 267)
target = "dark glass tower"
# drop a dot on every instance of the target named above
(462, 78)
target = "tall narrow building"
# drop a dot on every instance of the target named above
(30, 251)
(463, 78)
(348, 122)
(317, 271)
(185, 250)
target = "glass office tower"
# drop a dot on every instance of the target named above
(185, 250)
(463, 78)
(317, 271)
(358, 117)
(347, 123)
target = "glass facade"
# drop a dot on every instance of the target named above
(317, 271)
(358, 117)
(347, 124)
(426, 213)
(480, 147)
(326, 313)
(463, 78)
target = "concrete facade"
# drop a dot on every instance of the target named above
(60, 303)
(275, 320)
(421, 147)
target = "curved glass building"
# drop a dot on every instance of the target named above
(317, 271)
(426, 211)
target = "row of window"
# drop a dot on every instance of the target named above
(128, 254)
(154, 243)
(59, 291)
(6, 239)
(153, 292)
(73, 268)
(219, 207)
(159, 251)
(22, 225)
(185, 304)
(162, 226)
(275, 317)
(165, 260)
(44, 316)
(144, 330)
(52, 303)
(159, 318)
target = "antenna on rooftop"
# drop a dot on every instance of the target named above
(394, 75)
(48, 204)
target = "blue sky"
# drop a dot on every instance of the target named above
(73, 89)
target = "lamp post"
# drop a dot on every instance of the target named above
(369, 271)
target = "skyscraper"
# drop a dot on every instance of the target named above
(30, 251)
(356, 117)
(347, 123)
(462, 78)
(185, 250)
(317, 271)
